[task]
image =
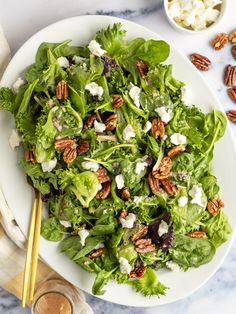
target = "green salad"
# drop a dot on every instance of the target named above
(122, 162)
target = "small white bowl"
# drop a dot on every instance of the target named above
(190, 31)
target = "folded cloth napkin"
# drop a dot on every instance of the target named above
(12, 240)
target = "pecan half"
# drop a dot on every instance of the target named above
(176, 150)
(140, 234)
(123, 214)
(70, 154)
(158, 128)
(62, 90)
(30, 156)
(63, 143)
(233, 50)
(153, 183)
(149, 248)
(142, 68)
(201, 62)
(231, 115)
(141, 243)
(230, 75)
(232, 93)
(101, 173)
(83, 146)
(197, 234)
(138, 272)
(104, 192)
(111, 122)
(125, 193)
(220, 41)
(214, 206)
(117, 101)
(232, 37)
(169, 187)
(89, 121)
(96, 253)
(164, 169)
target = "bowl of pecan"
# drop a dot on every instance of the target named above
(194, 17)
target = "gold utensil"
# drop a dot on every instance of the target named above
(31, 261)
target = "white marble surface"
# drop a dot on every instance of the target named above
(21, 19)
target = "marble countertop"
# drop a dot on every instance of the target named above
(22, 19)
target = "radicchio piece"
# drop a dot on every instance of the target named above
(109, 64)
(53, 192)
(165, 241)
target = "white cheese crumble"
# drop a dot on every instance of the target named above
(78, 59)
(120, 183)
(128, 132)
(173, 266)
(165, 114)
(178, 139)
(134, 94)
(137, 199)
(90, 165)
(95, 48)
(163, 228)
(14, 139)
(63, 62)
(99, 126)
(125, 266)
(147, 126)
(182, 201)
(140, 166)
(99, 246)
(49, 165)
(83, 233)
(186, 95)
(197, 14)
(18, 83)
(95, 89)
(65, 223)
(196, 193)
(128, 221)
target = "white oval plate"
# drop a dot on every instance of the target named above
(19, 196)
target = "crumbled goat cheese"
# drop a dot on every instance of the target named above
(128, 132)
(147, 126)
(125, 266)
(197, 194)
(165, 114)
(63, 62)
(178, 139)
(137, 199)
(186, 95)
(18, 83)
(95, 48)
(128, 221)
(140, 166)
(182, 201)
(99, 246)
(163, 228)
(95, 89)
(14, 139)
(134, 94)
(120, 183)
(197, 14)
(99, 186)
(83, 233)
(65, 223)
(90, 165)
(99, 126)
(49, 165)
(172, 266)
(78, 59)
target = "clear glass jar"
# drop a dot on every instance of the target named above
(57, 296)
